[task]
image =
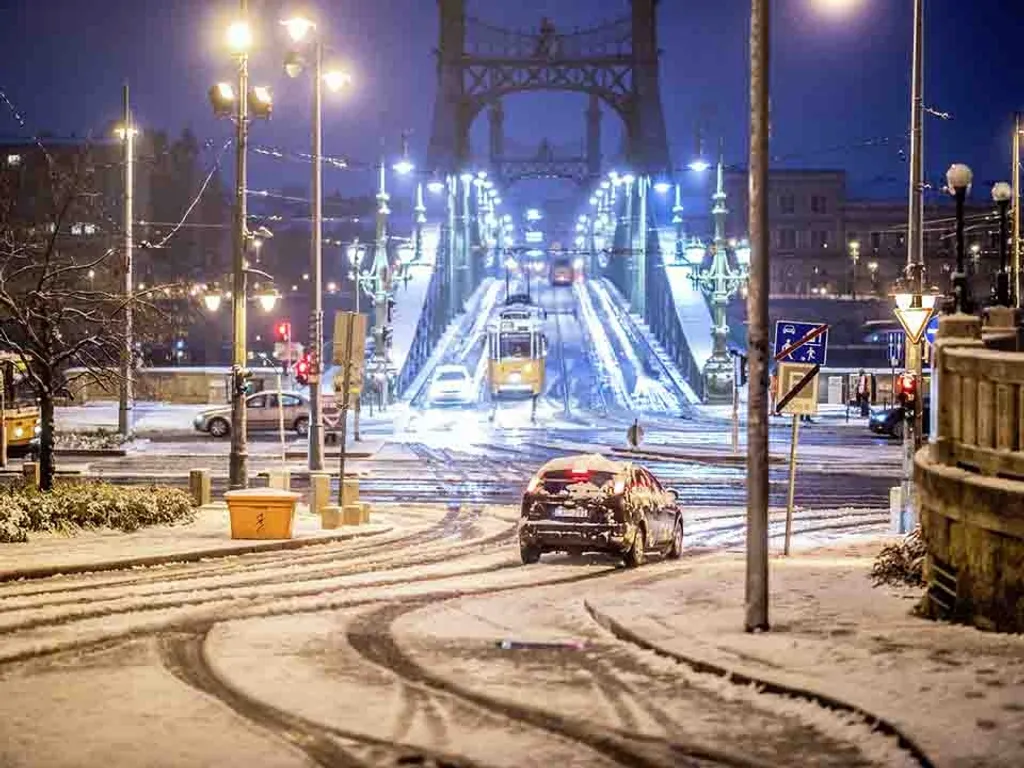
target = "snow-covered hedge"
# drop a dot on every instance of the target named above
(901, 563)
(68, 508)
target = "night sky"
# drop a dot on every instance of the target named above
(839, 78)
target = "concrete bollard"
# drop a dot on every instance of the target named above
(319, 491)
(199, 486)
(330, 518)
(279, 479)
(30, 471)
(364, 512)
(350, 492)
(351, 514)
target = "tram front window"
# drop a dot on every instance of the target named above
(515, 346)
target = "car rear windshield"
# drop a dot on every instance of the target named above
(451, 376)
(558, 481)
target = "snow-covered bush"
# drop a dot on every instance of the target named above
(901, 563)
(90, 441)
(68, 508)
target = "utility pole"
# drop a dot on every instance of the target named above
(381, 280)
(1017, 128)
(238, 461)
(316, 320)
(756, 602)
(915, 252)
(126, 395)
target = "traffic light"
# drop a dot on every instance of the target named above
(284, 331)
(390, 305)
(906, 390)
(302, 371)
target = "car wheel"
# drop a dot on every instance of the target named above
(219, 428)
(302, 426)
(529, 555)
(676, 550)
(897, 430)
(636, 556)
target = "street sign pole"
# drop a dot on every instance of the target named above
(792, 484)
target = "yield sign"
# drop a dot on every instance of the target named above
(914, 321)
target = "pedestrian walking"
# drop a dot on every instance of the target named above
(864, 393)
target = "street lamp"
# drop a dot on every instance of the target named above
(959, 177)
(720, 282)
(1002, 192)
(235, 101)
(299, 30)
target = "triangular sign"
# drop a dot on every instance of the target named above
(914, 322)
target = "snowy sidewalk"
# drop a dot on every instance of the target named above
(956, 692)
(209, 535)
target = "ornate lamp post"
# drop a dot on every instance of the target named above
(959, 177)
(677, 222)
(1002, 193)
(720, 282)
(854, 258)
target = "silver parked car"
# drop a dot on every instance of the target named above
(262, 414)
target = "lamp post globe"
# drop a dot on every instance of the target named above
(959, 177)
(1002, 194)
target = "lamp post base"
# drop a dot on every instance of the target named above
(719, 373)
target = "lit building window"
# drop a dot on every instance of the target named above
(89, 229)
(14, 160)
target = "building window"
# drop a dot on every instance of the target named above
(819, 204)
(76, 229)
(876, 240)
(787, 204)
(819, 239)
(14, 160)
(89, 229)
(787, 238)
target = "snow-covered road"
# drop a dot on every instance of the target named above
(378, 650)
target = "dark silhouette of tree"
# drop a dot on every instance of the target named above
(60, 277)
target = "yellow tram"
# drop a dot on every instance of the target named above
(517, 349)
(19, 412)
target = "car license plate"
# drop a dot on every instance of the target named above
(570, 512)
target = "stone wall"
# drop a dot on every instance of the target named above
(192, 386)
(970, 482)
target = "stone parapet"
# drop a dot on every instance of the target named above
(970, 481)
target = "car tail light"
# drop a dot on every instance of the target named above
(534, 484)
(580, 473)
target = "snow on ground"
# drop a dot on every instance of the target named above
(210, 532)
(608, 367)
(411, 296)
(148, 417)
(955, 690)
(648, 395)
(691, 307)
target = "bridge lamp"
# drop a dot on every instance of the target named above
(239, 37)
(694, 253)
(481, 175)
(435, 186)
(466, 178)
(212, 300)
(662, 187)
(606, 184)
(222, 98)
(268, 299)
(593, 201)
(743, 253)
(507, 219)
(533, 215)
(404, 167)
(580, 241)
(629, 178)
(699, 165)
(497, 201)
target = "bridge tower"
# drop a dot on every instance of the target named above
(616, 63)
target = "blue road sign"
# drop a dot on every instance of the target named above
(896, 348)
(931, 329)
(788, 332)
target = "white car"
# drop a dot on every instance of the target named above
(451, 384)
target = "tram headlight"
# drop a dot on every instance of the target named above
(19, 432)
(528, 368)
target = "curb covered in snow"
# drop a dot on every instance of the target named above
(27, 574)
(768, 686)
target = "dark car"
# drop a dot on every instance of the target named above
(586, 503)
(890, 421)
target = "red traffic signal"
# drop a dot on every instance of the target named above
(906, 387)
(284, 331)
(302, 371)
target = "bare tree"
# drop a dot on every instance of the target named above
(59, 267)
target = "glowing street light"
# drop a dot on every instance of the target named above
(298, 28)
(239, 37)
